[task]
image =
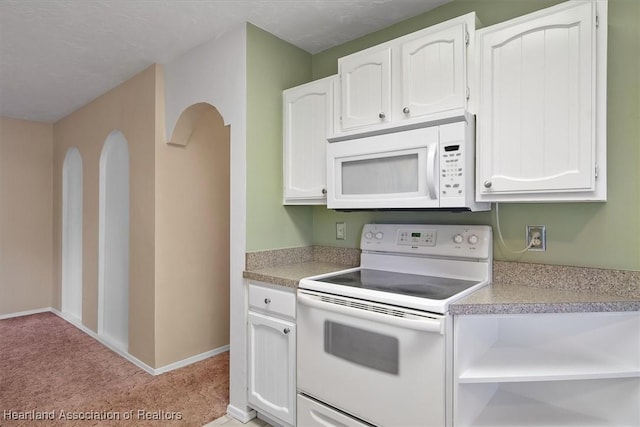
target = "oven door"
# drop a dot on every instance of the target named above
(396, 170)
(381, 364)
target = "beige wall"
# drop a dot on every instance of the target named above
(25, 215)
(129, 108)
(192, 237)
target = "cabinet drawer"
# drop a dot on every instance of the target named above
(272, 301)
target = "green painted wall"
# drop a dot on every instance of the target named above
(272, 66)
(603, 235)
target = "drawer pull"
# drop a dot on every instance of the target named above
(286, 330)
(267, 300)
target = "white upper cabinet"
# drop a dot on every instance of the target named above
(434, 72)
(542, 108)
(418, 78)
(366, 88)
(308, 120)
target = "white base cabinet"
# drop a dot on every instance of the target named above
(272, 353)
(570, 369)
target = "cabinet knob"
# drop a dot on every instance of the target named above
(324, 191)
(382, 115)
(267, 300)
(406, 110)
(286, 331)
(487, 184)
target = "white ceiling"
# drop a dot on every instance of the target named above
(58, 55)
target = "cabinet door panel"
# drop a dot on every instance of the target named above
(308, 115)
(433, 73)
(272, 366)
(365, 89)
(537, 126)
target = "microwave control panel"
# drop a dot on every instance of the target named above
(453, 153)
(452, 169)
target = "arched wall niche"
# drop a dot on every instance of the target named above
(72, 235)
(188, 122)
(113, 238)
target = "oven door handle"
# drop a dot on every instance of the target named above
(419, 324)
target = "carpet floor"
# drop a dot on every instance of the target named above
(53, 374)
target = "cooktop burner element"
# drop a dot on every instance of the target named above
(414, 285)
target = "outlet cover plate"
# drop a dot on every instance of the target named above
(531, 231)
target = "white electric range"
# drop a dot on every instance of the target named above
(374, 342)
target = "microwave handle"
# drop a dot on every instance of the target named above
(432, 152)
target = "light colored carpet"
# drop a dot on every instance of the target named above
(51, 369)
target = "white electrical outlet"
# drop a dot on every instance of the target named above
(536, 238)
(341, 231)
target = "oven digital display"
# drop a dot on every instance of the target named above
(417, 238)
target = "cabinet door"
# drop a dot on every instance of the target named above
(308, 115)
(538, 106)
(272, 366)
(434, 73)
(365, 80)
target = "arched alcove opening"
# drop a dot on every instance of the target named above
(113, 251)
(72, 236)
(193, 236)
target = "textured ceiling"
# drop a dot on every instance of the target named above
(57, 55)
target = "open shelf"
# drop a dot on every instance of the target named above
(538, 404)
(509, 363)
(561, 369)
(507, 409)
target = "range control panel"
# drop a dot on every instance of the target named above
(417, 238)
(466, 241)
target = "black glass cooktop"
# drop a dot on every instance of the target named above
(415, 285)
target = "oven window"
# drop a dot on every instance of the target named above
(384, 175)
(365, 348)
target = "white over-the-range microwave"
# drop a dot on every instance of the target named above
(430, 167)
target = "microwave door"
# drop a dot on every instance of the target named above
(383, 173)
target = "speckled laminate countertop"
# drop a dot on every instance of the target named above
(517, 288)
(289, 275)
(497, 298)
(507, 298)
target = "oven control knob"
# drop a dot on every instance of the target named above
(473, 239)
(458, 238)
(368, 235)
(379, 235)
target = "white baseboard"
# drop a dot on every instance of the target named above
(240, 415)
(25, 313)
(139, 363)
(190, 360)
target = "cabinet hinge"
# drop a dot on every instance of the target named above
(597, 20)
(597, 170)
(468, 93)
(466, 37)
